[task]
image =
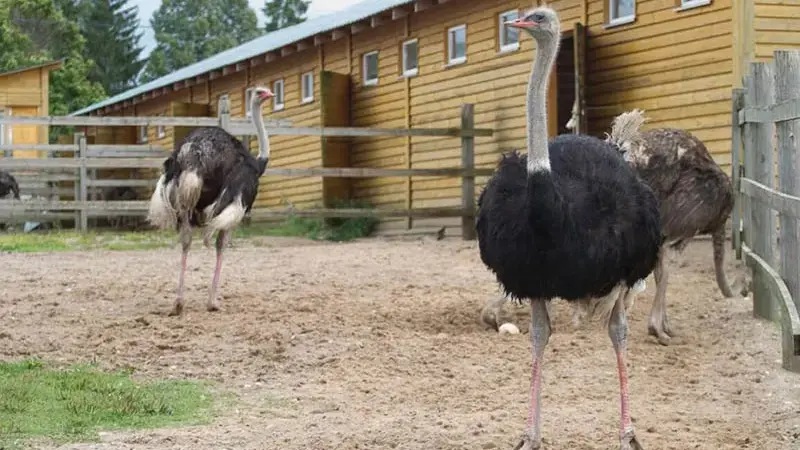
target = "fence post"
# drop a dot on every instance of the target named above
(224, 112)
(787, 87)
(76, 138)
(82, 151)
(468, 181)
(762, 230)
(736, 169)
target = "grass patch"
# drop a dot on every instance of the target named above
(331, 229)
(72, 404)
(50, 241)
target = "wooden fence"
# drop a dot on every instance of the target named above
(105, 156)
(766, 140)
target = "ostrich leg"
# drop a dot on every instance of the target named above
(540, 334)
(618, 332)
(659, 325)
(213, 304)
(186, 242)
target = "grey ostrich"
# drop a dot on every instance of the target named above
(570, 220)
(695, 198)
(210, 181)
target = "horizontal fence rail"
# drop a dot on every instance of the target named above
(80, 161)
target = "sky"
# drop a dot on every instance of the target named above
(316, 9)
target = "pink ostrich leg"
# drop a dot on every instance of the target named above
(618, 331)
(540, 334)
(213, 303)
(186, 242)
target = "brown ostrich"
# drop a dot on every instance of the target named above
(695, 198)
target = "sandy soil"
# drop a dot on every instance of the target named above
(376, 345)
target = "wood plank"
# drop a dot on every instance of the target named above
(357, 212)
(770, 283)
(778, 201)
(135, 121)
(736, 156)
(787, 84)
(778, 112)
(468, 232)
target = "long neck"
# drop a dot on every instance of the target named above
(538, 156)
(261, 132)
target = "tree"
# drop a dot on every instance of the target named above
(190, 30)
(35, 31)
(111, 29)
(284, 13)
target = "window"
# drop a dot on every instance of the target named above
(248, 98)
(370, 68)
(277, 100)
(307, 87)
(621, 11)
(457, 45)
(142, 134)
(410, 58)
(5, 133)
(509, 36)
(687, 4)
(160, 131)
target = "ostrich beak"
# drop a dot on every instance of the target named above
(266, 95)
(520, 23)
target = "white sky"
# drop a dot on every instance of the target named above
(316, 9)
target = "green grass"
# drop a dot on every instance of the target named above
(73, 404)
(70, 240)
(332, 229)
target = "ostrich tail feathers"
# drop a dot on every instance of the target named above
(190, 186)
(161, 212)
(626, 129)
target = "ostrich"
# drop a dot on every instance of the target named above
(695, 197)
(8, 184)
(210, 180)
(570, 220)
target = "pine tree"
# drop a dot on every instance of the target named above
(190, 30)
(284, 13)
(112, 32)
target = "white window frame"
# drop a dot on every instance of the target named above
(306, 97)
(278, 101)
(501, 20)
(415, 70)
(619, 20)
(451, 60)
(248, 97)
(689, 4)
(5, 132)
(367, 81)
(143, 138)
(161, 132)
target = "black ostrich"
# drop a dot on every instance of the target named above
(8, 184)
(570, 220)
(210, 180)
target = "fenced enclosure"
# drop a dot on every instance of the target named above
(88, 158)
(766, 176)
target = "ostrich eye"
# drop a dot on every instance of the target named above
(537, 17)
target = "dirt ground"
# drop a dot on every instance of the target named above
(376, 345)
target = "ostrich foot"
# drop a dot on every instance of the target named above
(660, 328)
(177, 309)
(212, 305)
(529, 442)
(628, 442)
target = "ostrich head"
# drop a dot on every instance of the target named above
(541, 23)
(262, 94)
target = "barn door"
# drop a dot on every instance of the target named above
(579, 55)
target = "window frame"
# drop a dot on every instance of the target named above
(365, 70)
(306, 97)
(279, 99)
(683, 5)
(248, 97)
(161, 131)
(451, 61)
(615, 21)
(502, 46)
(6, 138)
(143, 138)
(406, 72)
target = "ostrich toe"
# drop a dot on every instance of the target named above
(629, 442)
(660, 328)
(528, 442)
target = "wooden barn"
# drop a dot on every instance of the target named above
(399, 63)
(25, 92)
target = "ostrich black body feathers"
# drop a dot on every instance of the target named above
(575, 232)
(226, 167)
(8, 184)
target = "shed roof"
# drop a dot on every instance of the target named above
(52, 65)
(263, 44)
